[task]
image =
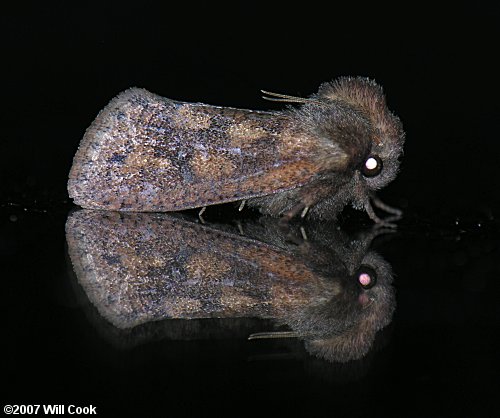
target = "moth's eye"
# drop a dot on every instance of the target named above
(372, 166)
(366, 277)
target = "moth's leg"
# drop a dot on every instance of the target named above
(242, 205)
(293, 212)
(200, 213)
(240, 228)
(307, 197)
(385, 207)
(387, 222)
(371, 213)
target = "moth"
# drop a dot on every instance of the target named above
(330, 291)
(146, 153)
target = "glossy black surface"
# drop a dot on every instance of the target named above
(439, 356)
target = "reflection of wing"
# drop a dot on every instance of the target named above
(142, 267)
(137, 268)
(147, 153)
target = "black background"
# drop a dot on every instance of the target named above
(63, 62)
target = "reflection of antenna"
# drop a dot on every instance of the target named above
(273, 334)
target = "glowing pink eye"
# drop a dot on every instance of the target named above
(366, 276)
(364, 279)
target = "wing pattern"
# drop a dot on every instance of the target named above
(147, 153)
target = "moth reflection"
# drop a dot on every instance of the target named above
(325, 288)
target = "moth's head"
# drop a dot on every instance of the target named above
(356, 314)
(377, 163)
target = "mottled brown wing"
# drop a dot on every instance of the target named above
(147, 153)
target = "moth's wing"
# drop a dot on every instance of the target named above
(142, 267)
(147, 153)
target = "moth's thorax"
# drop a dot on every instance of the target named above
(341, 133)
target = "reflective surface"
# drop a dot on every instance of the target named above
(441, 340)
(325, 288)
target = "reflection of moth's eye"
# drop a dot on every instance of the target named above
(372, 166)
(366, 277)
